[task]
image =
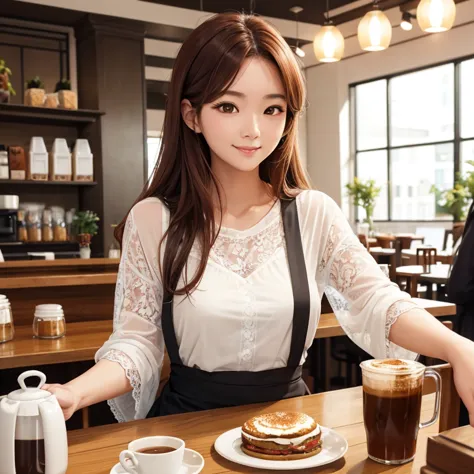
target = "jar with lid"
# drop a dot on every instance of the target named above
(21, 227)
(114, 248)
(59, 227)
(7, 330)
(49, 322)
(47, 228)
(34, 226)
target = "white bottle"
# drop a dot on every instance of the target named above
(82, 161)
(60, 161)
(38, 168)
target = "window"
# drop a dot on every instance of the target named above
(153, 148)
(405, 137)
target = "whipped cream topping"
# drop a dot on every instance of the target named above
(286, 441)
(392, 366)
(278, 424)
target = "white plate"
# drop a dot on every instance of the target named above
(334, 447)
(193, 463)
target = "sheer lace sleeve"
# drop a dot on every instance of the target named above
(364, 300)
(137, 341)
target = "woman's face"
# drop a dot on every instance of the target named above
(245, 125)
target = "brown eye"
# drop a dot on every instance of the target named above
(273, 109)
(227, 108)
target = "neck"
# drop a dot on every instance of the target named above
(239, 190)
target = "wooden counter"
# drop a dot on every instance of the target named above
(83, 339)
(96, 450)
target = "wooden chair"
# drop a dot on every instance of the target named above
(363, 240)
(449, 400)
(426, 256)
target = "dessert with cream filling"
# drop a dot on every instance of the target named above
(281, 436)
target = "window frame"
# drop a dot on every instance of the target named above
(456, 141)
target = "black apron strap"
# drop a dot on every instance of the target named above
(299, 281)
(169, 333)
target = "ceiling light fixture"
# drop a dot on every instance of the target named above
(328, 44)
(374, 31)
(436, 16)
(406, 23)
(298, 51)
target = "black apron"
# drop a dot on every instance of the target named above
(192, 389)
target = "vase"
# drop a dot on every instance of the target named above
(4, 96)
(67, 99)
(85, 252)
(35, 97)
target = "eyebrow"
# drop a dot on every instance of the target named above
(268, 96)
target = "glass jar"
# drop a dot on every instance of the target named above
(114, 248)
(49, 321)
(21, 227)
(7, 330)
(34, 226)
(59, 228)
(47, 228)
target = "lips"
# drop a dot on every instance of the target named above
(248, 148)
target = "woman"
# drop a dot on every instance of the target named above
(227, 252)
(461, 290)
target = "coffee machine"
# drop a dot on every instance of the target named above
(9, 205)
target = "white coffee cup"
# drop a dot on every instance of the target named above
(164, 463)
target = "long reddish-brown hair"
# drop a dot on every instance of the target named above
(206, 65)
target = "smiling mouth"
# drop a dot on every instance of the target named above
(247, 149)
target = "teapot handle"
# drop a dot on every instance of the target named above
(8, 415)
(31, 373)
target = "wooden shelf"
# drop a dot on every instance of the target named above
(44, 281)
(42, 115)
(48, 183)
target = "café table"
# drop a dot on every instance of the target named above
(406, 239)
(442, 256)
(96, 450)
(438, 273)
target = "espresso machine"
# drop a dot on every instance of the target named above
(9, 205)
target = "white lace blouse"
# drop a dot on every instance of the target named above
(240, 316)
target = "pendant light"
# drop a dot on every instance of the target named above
(435, 16)
(298, 51)
(374, 31)
(328, 44)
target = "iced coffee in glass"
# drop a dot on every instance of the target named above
(392, 391)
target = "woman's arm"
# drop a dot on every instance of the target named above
(420, 332)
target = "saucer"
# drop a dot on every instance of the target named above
(193, 463)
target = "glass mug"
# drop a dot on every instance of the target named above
(392, 393)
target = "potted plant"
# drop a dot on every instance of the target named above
(364, 194)
(6, 89)
(454, 202)
(34, 93)
(85, 227)
(67, 97)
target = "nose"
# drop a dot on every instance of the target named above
(250, 127)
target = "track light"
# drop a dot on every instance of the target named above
(406, 23)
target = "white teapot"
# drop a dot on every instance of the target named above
(33, 435)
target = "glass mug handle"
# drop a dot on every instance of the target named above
(437, 378)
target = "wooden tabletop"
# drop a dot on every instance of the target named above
(96, 450)
(84, 339)
(436, 274)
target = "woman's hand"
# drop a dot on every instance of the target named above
(461, 358)
(68, 400)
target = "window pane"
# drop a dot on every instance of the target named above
(467, 154)
(467, 99)
(153, 148)
(414, 170)
(422, 106)
(373, 165)
(371, 115)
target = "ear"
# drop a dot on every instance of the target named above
(188, 112)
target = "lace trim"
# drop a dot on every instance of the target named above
(248, 333)
(137, 289)
(393, 313)
(133, 375)
(244, 254)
